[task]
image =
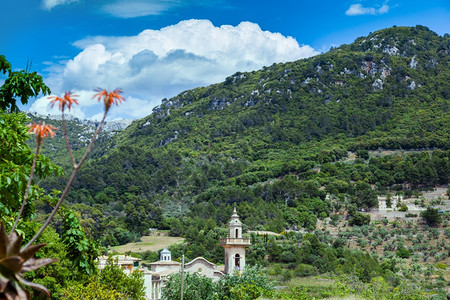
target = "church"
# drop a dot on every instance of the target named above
(157, 275)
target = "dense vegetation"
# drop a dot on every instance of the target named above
(274, 142)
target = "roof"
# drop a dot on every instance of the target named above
(165, 263)
(197, 259)
(235, 218)
(122, 259)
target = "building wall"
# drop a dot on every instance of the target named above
(201, 266)
(230, 254)
(161, 268)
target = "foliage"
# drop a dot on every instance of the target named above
(233, 286)
(275, 142)
(251, 284)
(195, 287)
(305, 270)
(359, 219)
(131, 287)
(81, 251)
(16, 158)
(93, 291)
(403, 253)
(21, 84)
(431, 216)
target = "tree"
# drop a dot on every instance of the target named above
(364, 154)
(16, 161)
(403, 253)
(21, 84)
(81, 251)
(195, 287)
(130, 286)
(359, 219)
(254, 276)
(16, 157)
(431, 216)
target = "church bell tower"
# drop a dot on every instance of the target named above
(234, 246)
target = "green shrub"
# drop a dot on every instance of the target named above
(303, 270)
(403, 253)
(409, 215)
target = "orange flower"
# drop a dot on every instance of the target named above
(63, 101)
(109, 98)
(41, 130)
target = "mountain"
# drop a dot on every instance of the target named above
(79, 133)
(278, 138)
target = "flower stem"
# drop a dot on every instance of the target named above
(69, 183)
(67, 138)
(30, 179)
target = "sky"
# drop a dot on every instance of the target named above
(155, 49)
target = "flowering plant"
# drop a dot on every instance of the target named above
(15, 259)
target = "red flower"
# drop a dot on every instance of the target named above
(109, 98)
(67, 100)
(41, 130)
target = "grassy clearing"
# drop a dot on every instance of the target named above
(152, 243)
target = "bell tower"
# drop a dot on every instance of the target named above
(234, 246)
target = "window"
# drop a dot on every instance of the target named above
(237, 261)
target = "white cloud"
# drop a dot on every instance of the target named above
(49, 4)
(358, 9)
(137, 8)
(162, 63)
(140, 8)
(383, 9)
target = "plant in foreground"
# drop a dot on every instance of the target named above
(14, 260)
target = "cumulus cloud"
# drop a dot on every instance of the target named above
(358, 9)
(49, 4)
(162, 63)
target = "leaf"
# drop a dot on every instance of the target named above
(13, 263)
(34, 264)
(28, 252)
(3, 240)
(35, 286)
(13, 247)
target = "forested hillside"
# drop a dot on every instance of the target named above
(275, 142)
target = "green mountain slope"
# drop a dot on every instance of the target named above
(258, 139)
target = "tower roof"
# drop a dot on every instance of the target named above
(165, 251)
(235, 218)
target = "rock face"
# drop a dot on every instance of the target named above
(391, 50)
(413, 62)
(218, 103)
(412, 85)
(117, 125)
(377, 85)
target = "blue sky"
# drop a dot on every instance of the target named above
(155, 49)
